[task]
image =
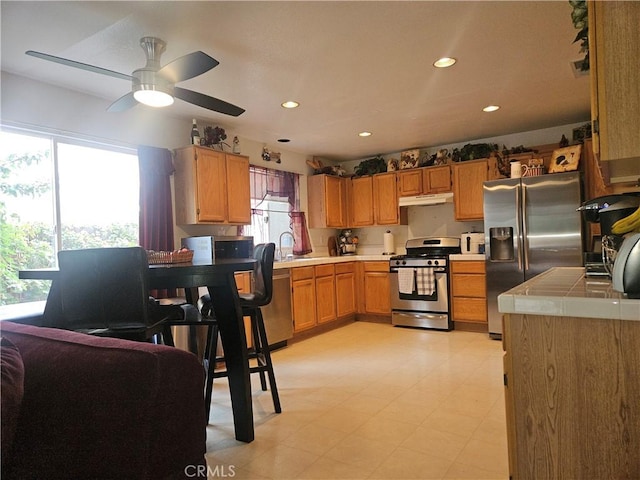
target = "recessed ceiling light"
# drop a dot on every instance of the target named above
(364, 134)
(444, 62)
(284, 140)
(490, 108)
(290, 104)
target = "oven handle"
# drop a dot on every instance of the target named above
(435, 269)
(422, 315)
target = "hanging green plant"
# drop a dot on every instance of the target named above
(581, 22)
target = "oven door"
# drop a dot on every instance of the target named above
(438, 302)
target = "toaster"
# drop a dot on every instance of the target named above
(626, 268)
(470, 242)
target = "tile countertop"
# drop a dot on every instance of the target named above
(309, 261)
(566, 292)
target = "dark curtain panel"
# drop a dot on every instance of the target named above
(156, 212)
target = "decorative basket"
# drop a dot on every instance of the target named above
(179, 256)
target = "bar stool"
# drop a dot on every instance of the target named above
(251, 303)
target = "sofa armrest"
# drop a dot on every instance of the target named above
(105, 408)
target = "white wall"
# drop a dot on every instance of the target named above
(28, 103)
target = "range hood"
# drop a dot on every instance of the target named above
(435, 199)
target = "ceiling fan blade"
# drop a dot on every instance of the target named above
(123, 103)
(80, 65)
(205, 101)
(187, 66)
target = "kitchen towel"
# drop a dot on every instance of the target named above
(406, 280)
(426, 281)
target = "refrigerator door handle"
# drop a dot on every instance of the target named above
(525, 233)
(518, 225)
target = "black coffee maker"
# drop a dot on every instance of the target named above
(606, 211)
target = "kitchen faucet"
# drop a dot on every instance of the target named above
(280, 243)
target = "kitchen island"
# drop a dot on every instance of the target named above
(572, 377)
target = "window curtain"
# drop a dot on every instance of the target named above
(156, 211)
(285, 185)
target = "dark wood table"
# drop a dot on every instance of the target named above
(218, 277)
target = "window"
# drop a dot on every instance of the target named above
(58, 194)
(275, 209)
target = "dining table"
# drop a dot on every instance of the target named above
(217, 275)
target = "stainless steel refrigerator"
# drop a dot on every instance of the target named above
(531, 224)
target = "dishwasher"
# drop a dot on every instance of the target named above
(277, 314)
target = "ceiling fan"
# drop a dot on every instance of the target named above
(155, 85)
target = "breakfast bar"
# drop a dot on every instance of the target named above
(571, 376)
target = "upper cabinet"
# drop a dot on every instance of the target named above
(385, 199)
(424, 181)
(614, 59)
(361, 201)
(468, 178)
(211, 187)
(328, 206)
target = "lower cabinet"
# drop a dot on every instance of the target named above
(321, 294)
(375, 288)
(469, 291)
(325, 293)
(303, 298)
(345, 289)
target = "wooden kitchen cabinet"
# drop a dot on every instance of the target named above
(211, 187)
(571, 393)
(325, 293)
(376, 288)
(361, 202)
(614, 59)
(468, 178)
(424, 181)
(468, 291)
(345, 289)
(385, 199)
(303, 298)
(328, 206)
(436, 179)
(410, 182)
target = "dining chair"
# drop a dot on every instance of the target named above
(250, 303)
(105, 292)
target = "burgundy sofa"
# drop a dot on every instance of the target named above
(77, 406)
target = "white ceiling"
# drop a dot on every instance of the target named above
(353, 66)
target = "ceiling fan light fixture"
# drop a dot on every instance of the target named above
(491, 108)
(152, 97)
(364, 134)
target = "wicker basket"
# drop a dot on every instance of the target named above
(155, 258)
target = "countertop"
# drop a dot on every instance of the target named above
(467, 257)
(566, 292)
(309, 261)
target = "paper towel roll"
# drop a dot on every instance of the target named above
(389, 244)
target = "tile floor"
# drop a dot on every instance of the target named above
(372, 401)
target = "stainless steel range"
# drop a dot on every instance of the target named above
(420, 283)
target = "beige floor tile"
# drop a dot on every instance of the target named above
(360, 452)
(281, 462)
(328, 469)
(369, 400)
(436, 443)
(409, 464)
(314, 438)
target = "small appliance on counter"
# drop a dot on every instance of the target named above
(626, 269)
(209, 248)
(347, 243)
(472, 242)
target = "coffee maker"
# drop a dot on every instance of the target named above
(606, 211)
